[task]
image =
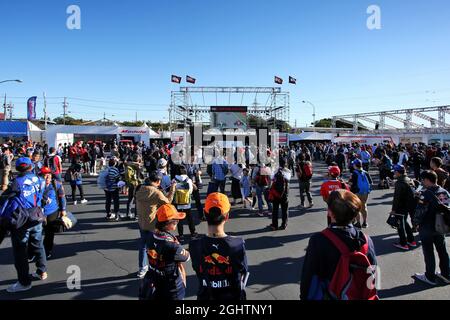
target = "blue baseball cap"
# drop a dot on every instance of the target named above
(399, 168)
(357, 163)
(24, 162)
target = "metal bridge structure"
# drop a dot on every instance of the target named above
(192, 105)
(415, 120)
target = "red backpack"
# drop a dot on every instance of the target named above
(308, 170)
(354, 277)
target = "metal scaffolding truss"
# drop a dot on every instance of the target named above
(406, 117)
(185, 112)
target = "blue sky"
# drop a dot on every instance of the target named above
(127, 50)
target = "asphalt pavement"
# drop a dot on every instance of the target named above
(107, 257)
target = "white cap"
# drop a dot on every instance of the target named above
(162, 163)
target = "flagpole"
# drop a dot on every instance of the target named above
(45, 112)
(4, 109)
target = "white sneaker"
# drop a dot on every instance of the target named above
(75, 203)
(141, 274)
(84, 201)
(440, 276)
(422, 277)
(18, 287)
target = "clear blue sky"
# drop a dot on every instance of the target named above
(127, 50)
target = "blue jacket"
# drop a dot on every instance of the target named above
(54, 200)
(29, 186)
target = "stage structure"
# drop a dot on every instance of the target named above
(227, 107)
(416, 120)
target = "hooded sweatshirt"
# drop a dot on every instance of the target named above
(322, 256)
(181, 179)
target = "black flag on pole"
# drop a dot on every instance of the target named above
(190, 79)
(292, 80)
(278, 80)
(176, 79)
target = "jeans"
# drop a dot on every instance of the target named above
(143, 259)
(220, 185)
(404, 231)
(74, 191)
(190, 222)
(21, 240)
(260, 191)
(58, 177)
(304, 188)
(284, 212)
(429, 239)
(131, 193)
(112, 196)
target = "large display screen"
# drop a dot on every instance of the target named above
(229, 117)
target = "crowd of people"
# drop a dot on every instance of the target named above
(161, 194)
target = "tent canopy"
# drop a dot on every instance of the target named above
(310, 136)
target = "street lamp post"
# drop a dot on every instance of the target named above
(4, 105)
(314, 113)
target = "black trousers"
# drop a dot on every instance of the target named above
(198, 203)
(284, 204)
(190, 220)
(405, 231)
(74, 191)
(49, 234)
(110, 197)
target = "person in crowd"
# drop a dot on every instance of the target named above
(365, 158)
(417, 161)
(133, 178)
(236, 176)
(403, 205)
(112, 191)
(261, 180)
(149, 198)
(75, 175)
(219, 260)
(5, 167)
(436, 165)
(37, 163)
(385, 169)
(279, 195)
(195, 174)
(54, 162)
(326, 248)
(245, 185)
(432, 197)
(182, 201)
(304, 171)
(333, 183)
(29, 188)
(361, 185)
(166, 182)
(54, 206)
(166, 275)
(219, 172)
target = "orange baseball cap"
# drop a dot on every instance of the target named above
(218, 200)
(168, 212)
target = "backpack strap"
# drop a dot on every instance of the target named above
(338, 243)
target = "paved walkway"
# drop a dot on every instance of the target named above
(106, 253)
